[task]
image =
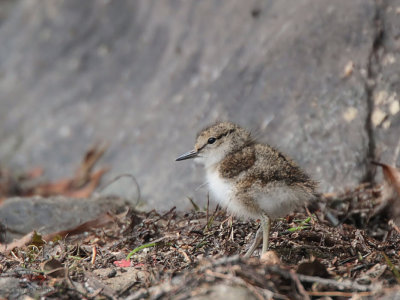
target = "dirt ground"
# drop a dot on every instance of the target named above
(348, 248)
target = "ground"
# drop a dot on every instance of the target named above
(347, 248)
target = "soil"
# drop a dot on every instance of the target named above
(348, 247)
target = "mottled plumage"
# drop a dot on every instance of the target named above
(248, 178)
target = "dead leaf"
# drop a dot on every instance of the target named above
(17, 184)
(53, 268)
(36, 172)
(37, 240)
(83, 184)
(122, 263)
(348, 69)
(391, 190)
(392, 176)
(88, 189)
(83, 174)
(5, 249)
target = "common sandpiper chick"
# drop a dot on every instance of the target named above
(250, 179)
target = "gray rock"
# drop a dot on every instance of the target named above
(146, 76)
(47, 215)
(385, 85)
(224, 291)
(5, 7)
(121, 280)
(21, 288)
(9, 287)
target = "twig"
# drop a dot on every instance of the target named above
(96, 284)
(200, 186)
(140, 294)
(346, 284)
(162, 290)
(166, 214)
(139, 195)
(299, 286)
(127, 287)
(221, 261)
(208, 206)
(228, 220)
(173, 215)
(16, 257)
(185, 256)
(72, 284)
(94, 254)
(339, 294)
(154, 292)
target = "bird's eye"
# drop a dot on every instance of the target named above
(211, 140)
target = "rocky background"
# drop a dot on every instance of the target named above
(318, 79)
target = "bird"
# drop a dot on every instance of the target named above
(250, 179)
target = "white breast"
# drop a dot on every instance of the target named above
(222, 191)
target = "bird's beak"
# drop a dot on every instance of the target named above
(187, 155)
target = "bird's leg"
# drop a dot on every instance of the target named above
(256, 242)
(266, 226)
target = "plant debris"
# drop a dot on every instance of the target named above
(181, 255)
(82, 185)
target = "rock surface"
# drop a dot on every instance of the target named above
(8, 287)
(120, 280)
(47, 215)
(146, 76)
(385, 84)
(224, 291)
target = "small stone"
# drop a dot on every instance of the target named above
(270, 258)
(380, 97)
(225, 291)
(350, 114)
(386, 124)
(364, 281)
(388, 59)
(8, 285)
(112, 273)
(348, 69)
(377, 117)
(394, 107)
